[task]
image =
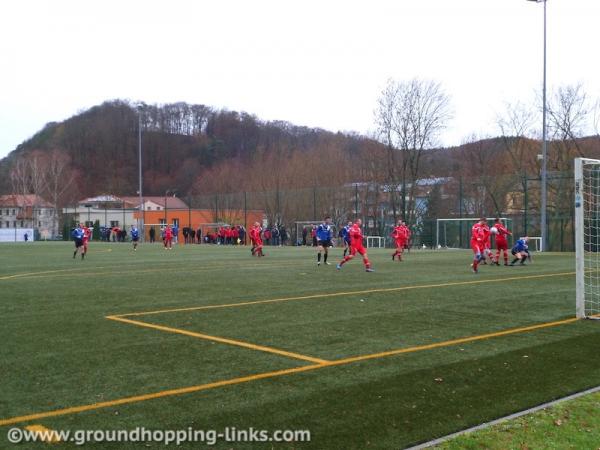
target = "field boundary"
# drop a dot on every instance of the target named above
(516, 415)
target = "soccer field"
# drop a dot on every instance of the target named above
(210, 338)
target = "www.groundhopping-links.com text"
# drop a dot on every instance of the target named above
(166, 437)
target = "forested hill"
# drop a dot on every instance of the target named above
(181, 142)
(196, 149)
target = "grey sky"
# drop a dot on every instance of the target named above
(315, 63)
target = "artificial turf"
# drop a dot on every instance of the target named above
(59, 350)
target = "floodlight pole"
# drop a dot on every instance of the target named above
(141, 211)
(544, 206)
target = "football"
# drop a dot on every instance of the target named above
(494, 230)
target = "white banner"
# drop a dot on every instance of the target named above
(16, 234)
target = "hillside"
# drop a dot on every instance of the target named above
(181, 142)
(195, 149)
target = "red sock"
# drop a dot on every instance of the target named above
(366, 262)
(475, 264)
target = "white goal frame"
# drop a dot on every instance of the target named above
(379, 239)
(587, 245)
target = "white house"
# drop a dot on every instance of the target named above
(28, 212)
(112, 211)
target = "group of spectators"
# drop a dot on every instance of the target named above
(275, 235)
(309, 234)
(114, 234)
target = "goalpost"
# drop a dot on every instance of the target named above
(447, 235)
(375, 241)
(587, 237)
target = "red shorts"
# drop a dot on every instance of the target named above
(501, 244)
(477, 247)
(400, 243)
(360, 250)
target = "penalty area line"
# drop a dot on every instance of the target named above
(274, 374)
(343, 294)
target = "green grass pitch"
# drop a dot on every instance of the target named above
(411, 352)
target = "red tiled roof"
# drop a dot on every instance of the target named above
(172, 202)
(21, 201)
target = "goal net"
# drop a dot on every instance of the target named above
(587, 237)
(456, 233)
(375, 241)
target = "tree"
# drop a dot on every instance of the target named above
(410, 116)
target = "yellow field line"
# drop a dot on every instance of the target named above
(93, 271)
(274, 374)
(21, 275)
(261, 348)
(155, 395)
(340, 294)
(462, 340)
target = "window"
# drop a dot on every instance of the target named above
(114, 223)
(14, 224)
(176, 223)
(22, 225)
(89, 224)
(39, 224)
(14, 212)
(162, 222)
(7, 224)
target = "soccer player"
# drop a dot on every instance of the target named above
(345, 235)
(87, 234)
(356, 246)
(168, 237)
(520, 251)
(256, 239)
(487, 244)
(77, 235)
(324, 235)
(501, 241)
(477, 242)
(400, 235)
(135, 237)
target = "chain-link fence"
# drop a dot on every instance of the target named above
(515, 197)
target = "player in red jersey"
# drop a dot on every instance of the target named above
(87, 234)
(356, 246)
(400, 236)
(256, 239)
(168, 238)
(478, 242)
(501, 241)
(487, 244)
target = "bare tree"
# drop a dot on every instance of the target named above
(410, 117)
(59, 178)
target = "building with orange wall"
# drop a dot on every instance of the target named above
(198, 218)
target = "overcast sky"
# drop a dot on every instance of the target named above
(320, 63)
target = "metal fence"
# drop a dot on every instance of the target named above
(516, 197)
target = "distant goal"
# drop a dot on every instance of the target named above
(375, 241)
(456, 233)
(587, 237)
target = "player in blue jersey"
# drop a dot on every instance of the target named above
(135, 236)
(78, 234)
(345, 237)
(521, 251)
(324, 235)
